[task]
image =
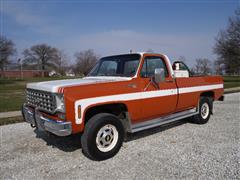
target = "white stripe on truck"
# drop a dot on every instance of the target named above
(84, 103)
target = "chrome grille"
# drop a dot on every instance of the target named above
(43, 100)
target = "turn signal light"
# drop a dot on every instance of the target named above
(61, 116)
(79, 112)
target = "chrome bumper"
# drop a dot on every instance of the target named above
(35, 118)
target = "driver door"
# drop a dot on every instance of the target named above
(158, 100)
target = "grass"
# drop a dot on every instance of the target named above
(231, 81)
(12, 91)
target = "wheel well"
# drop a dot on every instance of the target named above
(208, 94)
(117, 109)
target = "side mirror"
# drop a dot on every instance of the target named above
(159, 75)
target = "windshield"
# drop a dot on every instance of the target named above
(121, 65)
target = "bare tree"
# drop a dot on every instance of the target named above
(182, 58)
(85, 60)
(61, 62)
(6, 51)
(227, 45)
(202, 66)
(42, 55)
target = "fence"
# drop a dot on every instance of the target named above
(23, 73)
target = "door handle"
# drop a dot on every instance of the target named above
(132, 85)
(169, 80)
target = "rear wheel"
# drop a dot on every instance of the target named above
(103, 136)
(205, 107)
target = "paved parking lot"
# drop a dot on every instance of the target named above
(178, 151)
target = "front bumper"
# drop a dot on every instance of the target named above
(35, 118)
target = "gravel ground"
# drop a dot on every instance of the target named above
(178, 151)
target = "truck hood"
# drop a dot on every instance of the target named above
(59, 85)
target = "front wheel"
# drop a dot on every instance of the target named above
(205, 107)
(103, 136)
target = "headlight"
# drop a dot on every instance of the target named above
(60, 102)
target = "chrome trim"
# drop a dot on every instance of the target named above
(163, 120)
(35, 118)
(28, 115)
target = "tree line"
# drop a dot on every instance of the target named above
(47, 58)
(44, 57)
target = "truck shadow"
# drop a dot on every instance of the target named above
(66, 144)
(73, 142)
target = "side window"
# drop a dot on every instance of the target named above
(152, 63)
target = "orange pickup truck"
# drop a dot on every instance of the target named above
(122, 93)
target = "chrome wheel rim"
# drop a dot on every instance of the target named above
(107, 138)
(205, 110)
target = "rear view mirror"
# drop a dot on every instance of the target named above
(159, 75)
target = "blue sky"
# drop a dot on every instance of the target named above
(176, 28)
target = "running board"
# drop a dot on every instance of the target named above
(163, 120)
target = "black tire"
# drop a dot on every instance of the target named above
(89, 138)
(205, 105)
